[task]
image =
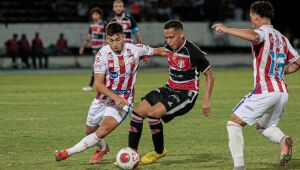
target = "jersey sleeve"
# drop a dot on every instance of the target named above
(292, 54)
(100, 63)
(199, 60)
(261, 34)
(144, 51)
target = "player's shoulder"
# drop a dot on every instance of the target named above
(135, 46)
(193, 48)
(104, 50)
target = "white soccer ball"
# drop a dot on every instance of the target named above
(127, 158)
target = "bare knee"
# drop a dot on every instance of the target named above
(90, 129)
(235, 119)
(153, 113)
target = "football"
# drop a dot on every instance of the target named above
(127, 158)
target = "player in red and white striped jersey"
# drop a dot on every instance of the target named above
(96, 36)
(115, 68)
(265, 105)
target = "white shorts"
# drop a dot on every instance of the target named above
(264, 109)
(99, 109)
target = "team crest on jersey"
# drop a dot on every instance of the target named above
(180, 63)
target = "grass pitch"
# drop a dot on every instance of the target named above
(40, 113)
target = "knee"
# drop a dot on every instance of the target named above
(153, 113)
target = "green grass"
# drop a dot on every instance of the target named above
(40, 113)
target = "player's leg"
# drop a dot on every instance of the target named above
(267, 127)
(136, 124)
(247, 112)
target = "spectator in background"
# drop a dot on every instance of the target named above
(38, 52)
(61, 44)
(136, 11)
(24, 51)
(12, 49)
(82, 10)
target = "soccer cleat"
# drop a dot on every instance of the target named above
(87, 88)
(98, 155)
(61, 155)
(286, 151)
(151, 157)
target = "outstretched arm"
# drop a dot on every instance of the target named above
(101, 87)
(293, 67)
(210, 79)
(246, 34)
(160, 51)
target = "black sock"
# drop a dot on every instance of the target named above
(157, 134)
(135, 130)
(92, 80)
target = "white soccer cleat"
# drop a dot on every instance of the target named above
(87, 88)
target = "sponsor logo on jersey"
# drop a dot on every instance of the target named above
(113, 75)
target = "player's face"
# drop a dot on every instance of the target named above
(254, 19)
(174, 38)
(116, 42)
(118, 8)
(96, 16)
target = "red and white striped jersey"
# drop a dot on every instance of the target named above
(270, 56)
(120, 69)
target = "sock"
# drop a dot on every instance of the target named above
(236, 143)
(92, 80)
(272, 133)
(135, 130)
(101, 145)
(85, 143)
(157, 134)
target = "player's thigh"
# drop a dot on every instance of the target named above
(95, 113)
(275, 114)
(142, 108)
(108, 124)
(253, 106)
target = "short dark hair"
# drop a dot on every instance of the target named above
(263, 9)
(177, 25)
(114, 28)
(98, 10)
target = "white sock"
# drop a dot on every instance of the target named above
(236, 143)
(272, 133)
(101, 145)
(85, 143)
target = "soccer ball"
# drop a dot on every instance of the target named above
(127, 158)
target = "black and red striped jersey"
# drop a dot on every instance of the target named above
(97, 34)
(185, 64)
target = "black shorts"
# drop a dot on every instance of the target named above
(177, 102)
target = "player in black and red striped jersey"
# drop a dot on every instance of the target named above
(96, 36)
(129, 25)
(178, 96)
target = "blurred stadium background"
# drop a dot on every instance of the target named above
(50, 18)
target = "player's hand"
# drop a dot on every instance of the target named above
(206, 108)
(219, 28)
(81, 50)
(120, 102)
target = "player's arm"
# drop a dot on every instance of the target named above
(210, 80)
(135, 31)
(85, 43)
(138, 38)
(293, 67)
(160, 51)
(246, 34)
(101, 87)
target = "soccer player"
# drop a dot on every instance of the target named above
(178, 96)
(97, 37)
(265, 104)
(129, 24)
(115, 68)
